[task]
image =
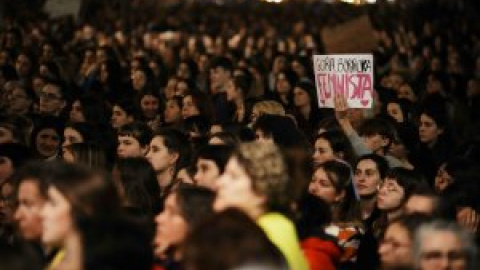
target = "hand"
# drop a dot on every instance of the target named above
(468, 218)
(341, 106)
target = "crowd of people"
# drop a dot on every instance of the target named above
(190, 137)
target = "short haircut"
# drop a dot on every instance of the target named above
(378, 126)
(138, 130)
(176, 142)
(220, 154)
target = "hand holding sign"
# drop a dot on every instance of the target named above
(341, 106)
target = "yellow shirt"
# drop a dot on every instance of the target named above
(282, 233)
(56, 260)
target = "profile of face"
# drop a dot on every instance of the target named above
(300, 97)
(129, 146)
(47, 142)
(159, 156)
(323, 187)
(441, 250)
(172, 112)
(189, 108)
(390, 195)
(442, 179)
(57, 220)
(149, 105)
(171, 227)
(71, 136)
(207, 173)
(395, 247)
(234, 189)
(367, 178)
(323, 151)
(420, 204)
(120, 117)
(428, 130)
(76, 112)
(29, 209)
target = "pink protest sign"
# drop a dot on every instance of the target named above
(347, 74)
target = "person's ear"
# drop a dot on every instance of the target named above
(173, 158)
(145, 149)
(385, 141)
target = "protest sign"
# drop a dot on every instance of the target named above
(348, 74)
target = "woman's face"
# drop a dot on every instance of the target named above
(6, 168)
(234, 189)
(171, 227)
(323, 151)
(120, 117)
(395, 247)
(173, 112)
(149, 105)
(300, 97)
(367, 177)
(57, 219)
(390, 195)
(71, 136)
(6, 135)
(428, 130)
(189, 108)
(323, 187)
(47, 142)
(159, 155)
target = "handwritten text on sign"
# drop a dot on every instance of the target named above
(350, 75)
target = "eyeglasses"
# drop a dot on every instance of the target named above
(435, 255)
(49, 96)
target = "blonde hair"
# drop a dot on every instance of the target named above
(269, 107)
(265, 165)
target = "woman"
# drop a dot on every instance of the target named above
(283, 92)
(436, 143)
(237, 91)
(184, 209)
(196, 103)
(331, 145)
(370, 170)
(169, 151)
(172, 115)
(91, 109)
(46, 138)
(332, 182)
(137, 185)
(393, 193)
(75, 196)
(395, 248)
(149, 104)
(306, 111)
(256, 180)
